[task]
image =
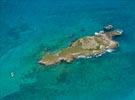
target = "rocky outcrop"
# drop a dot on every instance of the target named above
(84, 47)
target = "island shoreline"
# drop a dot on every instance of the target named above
(85, 47)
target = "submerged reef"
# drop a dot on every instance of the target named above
(88, 46)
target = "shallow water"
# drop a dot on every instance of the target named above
(30, 28)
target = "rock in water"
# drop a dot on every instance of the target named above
(84, 47)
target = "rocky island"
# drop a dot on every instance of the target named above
(88, 46)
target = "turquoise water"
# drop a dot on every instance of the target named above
(30, 28)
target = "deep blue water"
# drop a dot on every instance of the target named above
(30, 28)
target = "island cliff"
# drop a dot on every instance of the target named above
(88, 46)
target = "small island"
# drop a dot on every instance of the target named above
(88, 46)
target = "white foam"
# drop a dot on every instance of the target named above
(119, 31)
(89, 57)
(96, 33)
(81, 56)
(109, 50)
(96, 55)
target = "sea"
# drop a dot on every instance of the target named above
(31, 28)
